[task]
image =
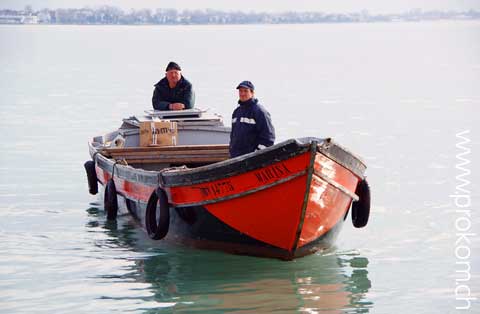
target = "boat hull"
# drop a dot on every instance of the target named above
(286, 202)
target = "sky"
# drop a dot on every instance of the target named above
(373, 6)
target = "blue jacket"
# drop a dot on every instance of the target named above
(252, 128)
(163, 95)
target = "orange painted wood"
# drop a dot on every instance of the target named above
(238, 184)
(329, 168)
(271, 215)
(327, 205)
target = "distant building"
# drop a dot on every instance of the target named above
(44, 17)
(30, 19)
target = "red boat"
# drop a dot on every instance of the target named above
(285, 201)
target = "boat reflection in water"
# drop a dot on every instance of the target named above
(185, 280)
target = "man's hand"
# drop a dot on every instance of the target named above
(176, 106)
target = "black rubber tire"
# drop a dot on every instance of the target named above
(91, 177)
(110, 200)
(361, 208)
(157, 230)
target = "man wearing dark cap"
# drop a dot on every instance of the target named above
(173, 92)
(252, 127)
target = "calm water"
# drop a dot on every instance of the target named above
(396, 94)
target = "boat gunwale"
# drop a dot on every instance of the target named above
(331, 149)
(174, 177)
(217, 169)
(249, 162)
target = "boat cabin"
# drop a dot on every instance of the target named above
(201, 139)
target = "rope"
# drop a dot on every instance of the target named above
(113, 171)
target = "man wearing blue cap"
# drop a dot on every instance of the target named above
(173, 92)
(252, 127)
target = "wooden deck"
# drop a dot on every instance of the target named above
(170, 154)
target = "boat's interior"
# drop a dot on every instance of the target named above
(157, 158)
(202, 139)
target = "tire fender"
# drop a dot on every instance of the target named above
(361, 208)
(157, 229)
(110, 200)
(91, 177)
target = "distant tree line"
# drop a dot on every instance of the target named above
(114, 15)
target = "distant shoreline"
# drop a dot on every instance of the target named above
(108, 15)
(250, 24)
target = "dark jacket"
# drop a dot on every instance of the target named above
(252, 128)
(163, 95)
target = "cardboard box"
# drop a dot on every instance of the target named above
(158, 133)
